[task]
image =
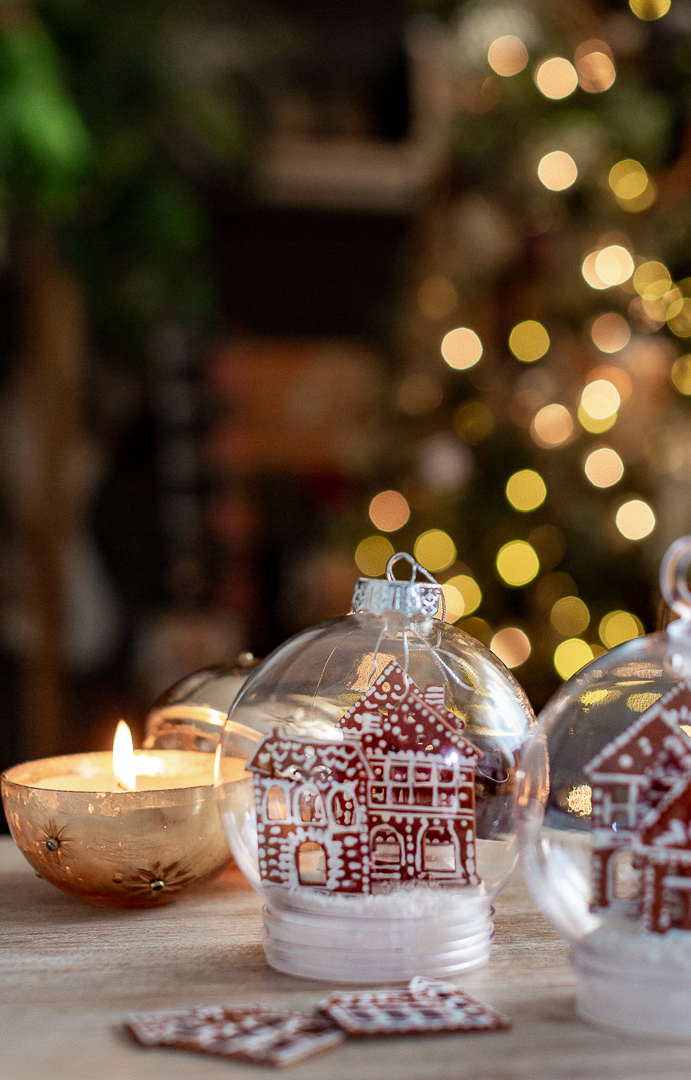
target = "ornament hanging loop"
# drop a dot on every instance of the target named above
(673, 578)
(414, 565)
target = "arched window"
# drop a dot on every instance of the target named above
(438, 850)
(310, 805)
(386, 848)
(276, 804)
(311, 863)
(343, 807)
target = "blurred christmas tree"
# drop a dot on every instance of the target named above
(544, 467)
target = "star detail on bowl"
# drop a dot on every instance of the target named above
(158, 879)
(54, 840)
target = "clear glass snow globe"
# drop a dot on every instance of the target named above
(190, 715)
(605, 825)
(376, 813)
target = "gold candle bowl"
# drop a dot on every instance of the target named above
(120, 849)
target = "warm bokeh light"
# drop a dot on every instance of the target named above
(680, 322)
(552, 426)
(628, 179)
(435, 550)
(650, 9)
(595, 67)
(437, 297)
(473, 422)
(619, 626)
(461, 348)
(526, 490)
(511, 645)
(616, 375)
(681, 374)
(454, 603)
(529, 341)
(652, 280)
(593, 426)
(610, 332)
(571, 655)
(604, 467)
(477, 628)
(507, 55)
(372, 555)
(600, 399)
(517, 563)
(614, 265)
(569, 616)
(556, 78)
(635, 519)
(557, 170)
(469, 590)
(419, 394)
(590, 274)
(552, 587)
(389, 511)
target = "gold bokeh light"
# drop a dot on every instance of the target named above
(629, 180)
(569, 616)
(681, 374)
(590, 274)
(435, 550)
(389, 511)
(571, 655)
(473, 422)
(610, 332)
(619, 626)
(593, 426)
(648, 10)
(529, 341)
(604, 467)
(511, 645)
(517, 563)
(507, 55)
(557, 170)
(552, 426)
(652, 280)
(453, 603)
(635, 519)
(526, 490)
(556, 78)
(372, 555)
(469, 590)
(461, 348)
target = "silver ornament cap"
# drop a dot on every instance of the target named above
(408, 598)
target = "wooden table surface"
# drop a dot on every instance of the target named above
(70, 972)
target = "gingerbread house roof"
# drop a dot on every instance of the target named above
(394, 711)
(296, 757)
(636, 750)
(668, 824)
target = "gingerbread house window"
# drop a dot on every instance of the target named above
(438, 850)
(446, 776)
(311, 863)
(423, 774)
(386, 848)
(377, 794)
(400, 794)
(310, 805)
(620, 794)
(620, 819)
(276, 804)
(399, 774)
(423, 796)
(343, 807)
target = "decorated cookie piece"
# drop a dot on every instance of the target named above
(248, 1034)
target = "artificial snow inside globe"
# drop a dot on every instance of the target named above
(376, 814)
(609, 860)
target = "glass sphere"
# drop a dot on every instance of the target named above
(606, 822)
(367, 784)
(190, 715)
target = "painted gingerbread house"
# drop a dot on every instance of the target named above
(662, 851)
(629, 777)
(393, 802)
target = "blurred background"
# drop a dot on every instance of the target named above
(288, 286)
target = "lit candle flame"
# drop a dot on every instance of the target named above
(123, 758)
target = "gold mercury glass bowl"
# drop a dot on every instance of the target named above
(120, 849)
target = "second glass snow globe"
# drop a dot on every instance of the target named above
(376, 815)
(608, 858)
